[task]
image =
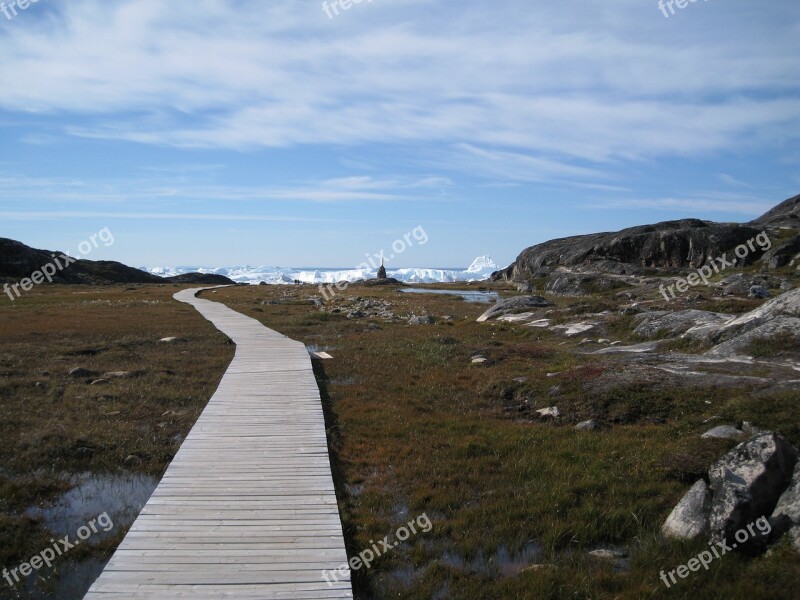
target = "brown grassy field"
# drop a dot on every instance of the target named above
(414, 427)
(54, 426)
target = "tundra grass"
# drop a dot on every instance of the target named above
(516, 502)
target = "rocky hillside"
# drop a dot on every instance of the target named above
(671, 245)
(18, 261)
(786, 214)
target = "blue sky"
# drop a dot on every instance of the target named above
(249, 132)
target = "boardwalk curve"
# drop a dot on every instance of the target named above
(247, 508)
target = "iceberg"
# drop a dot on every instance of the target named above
(480, 269)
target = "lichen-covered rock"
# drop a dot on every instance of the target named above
(513, 305)
(689, 519)
(747, 483)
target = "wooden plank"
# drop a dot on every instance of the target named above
(247, 508)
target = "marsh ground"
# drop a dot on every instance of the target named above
(516, 502)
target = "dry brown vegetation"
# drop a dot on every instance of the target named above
(414, 428)
(54, 426)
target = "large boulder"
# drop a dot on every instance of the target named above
(689, 243)
(689, 519)
(513, 305)
(747, 483)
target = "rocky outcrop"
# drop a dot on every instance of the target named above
(513, 305)
(688, 243)
(652, 324)
(779, 315)
(786, 214)
(18, 261)
(581, 284)
(784, 254)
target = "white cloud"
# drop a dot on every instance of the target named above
(548, 88)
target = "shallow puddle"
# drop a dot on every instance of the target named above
(112, 502)
(121, 497)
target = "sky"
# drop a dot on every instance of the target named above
(217, 133)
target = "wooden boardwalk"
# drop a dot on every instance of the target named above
(247, 508)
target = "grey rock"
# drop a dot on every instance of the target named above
(747, 483)
(549, 413)
(783, 254)
(675, 323)
(785, 305)
(80, 373)
(117, 375)
(421, 320)
(689, 519)
(770, 329)
(751, 430)
(724, 432)
(513, 305)
(525, 287)
(758, 291)
(616, 348)
(580, 284)
(589, 425)
(100, 382)
(607, 554)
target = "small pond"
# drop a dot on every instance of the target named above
(466, 295)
